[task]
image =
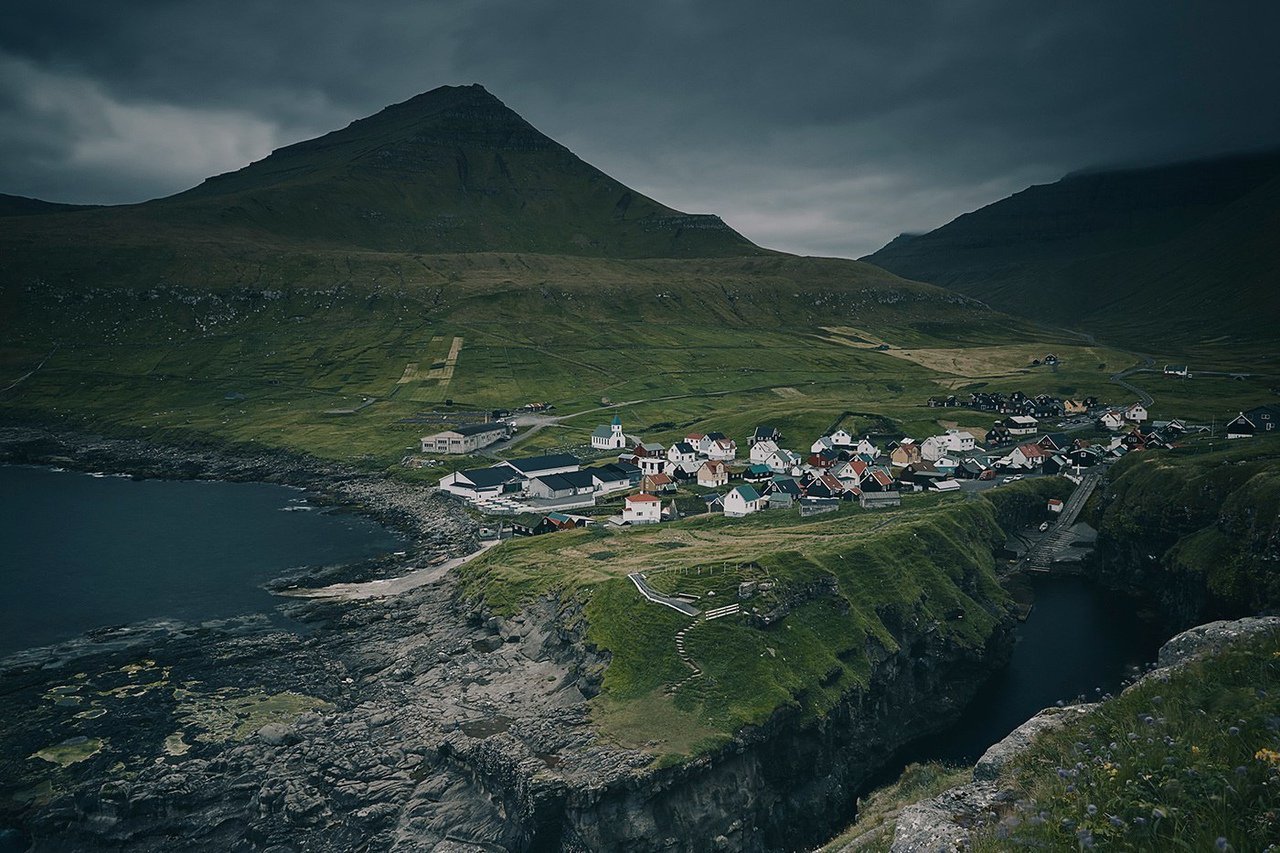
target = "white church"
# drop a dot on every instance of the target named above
(610, 436)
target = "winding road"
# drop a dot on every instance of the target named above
(1121, 379)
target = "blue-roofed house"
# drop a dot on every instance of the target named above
(482, 482)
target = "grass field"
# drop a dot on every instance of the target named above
(359, 370)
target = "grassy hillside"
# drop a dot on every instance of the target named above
(1138, 256)
(1198, 527)
(839, 584)
(1189, 762)
(731, 340)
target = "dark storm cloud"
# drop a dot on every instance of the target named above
(822, 129)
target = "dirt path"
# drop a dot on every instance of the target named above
(15, 383)
(389, 586)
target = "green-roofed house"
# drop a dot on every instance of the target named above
(743, 500)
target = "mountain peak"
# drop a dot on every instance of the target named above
(452, 170)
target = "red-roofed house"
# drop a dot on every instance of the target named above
(641, 509)
(1029, 455)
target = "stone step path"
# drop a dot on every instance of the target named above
(695, 671)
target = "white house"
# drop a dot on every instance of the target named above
(762, 450)
(850, 472)
(609, 436)
(1021, 424)
(743, 500)
(1112, 420)
(641, 509)
(681, 451)
(1137, 413)
(482, 482)
(783, 461)
(466, 438)
(955, 441)
(839, 438)
(961, 441)
(934, 447)
(1029, 456)
(651, 464)
(713, 474)
(722, 449)
(864, 446)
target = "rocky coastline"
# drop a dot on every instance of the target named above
(409, 722)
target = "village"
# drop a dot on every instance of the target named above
(712, 473)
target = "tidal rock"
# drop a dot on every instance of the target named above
(277, 734)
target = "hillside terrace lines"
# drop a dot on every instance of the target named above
(444, 373)
(410, 373)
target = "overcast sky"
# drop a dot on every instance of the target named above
(818, 128)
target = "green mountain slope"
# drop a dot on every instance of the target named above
(314, 300)
(1136, 255)
(451, 170)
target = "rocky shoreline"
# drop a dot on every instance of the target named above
(408, 722)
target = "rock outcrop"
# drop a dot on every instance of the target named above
(941, 824)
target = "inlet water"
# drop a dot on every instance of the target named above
(1079, 639)
(79, 552)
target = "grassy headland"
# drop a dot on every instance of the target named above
(829, 589)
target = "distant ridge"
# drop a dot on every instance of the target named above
(17, 205)
(1186, 249)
